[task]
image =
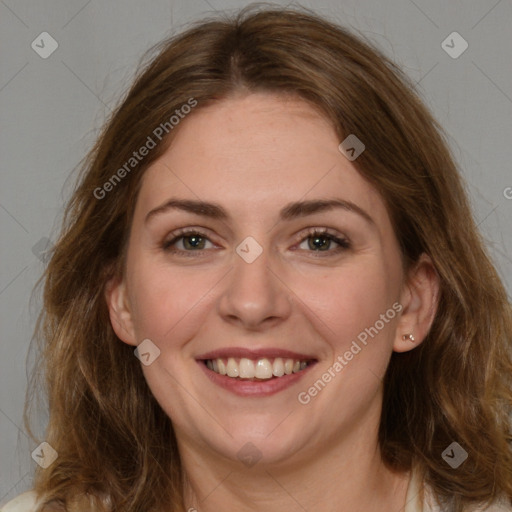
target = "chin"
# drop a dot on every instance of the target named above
(265, 446)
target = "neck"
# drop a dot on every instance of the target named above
(342, 474)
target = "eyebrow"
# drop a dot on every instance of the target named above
(289, 212)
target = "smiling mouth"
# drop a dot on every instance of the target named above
(257, 369)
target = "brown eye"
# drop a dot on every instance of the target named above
(187, 242)
(193, 242)
(321, 241)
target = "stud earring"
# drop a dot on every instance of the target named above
(409, 337)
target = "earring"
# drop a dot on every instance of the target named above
(409, 337)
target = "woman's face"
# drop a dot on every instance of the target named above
(223, 264)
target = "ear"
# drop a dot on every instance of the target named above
(119, 310)
(419, 298)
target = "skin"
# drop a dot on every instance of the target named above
(253, 154)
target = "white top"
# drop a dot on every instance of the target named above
(27, 501)
(413, 499)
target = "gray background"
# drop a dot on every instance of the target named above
(53, 108)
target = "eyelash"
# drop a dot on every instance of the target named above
(343, 243)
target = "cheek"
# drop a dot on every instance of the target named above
(167, 300)
(350, 299)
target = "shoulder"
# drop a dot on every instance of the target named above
(420, 498)
(501, 505)
(498, 506)
(25, 502)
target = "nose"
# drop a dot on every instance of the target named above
(255, 296)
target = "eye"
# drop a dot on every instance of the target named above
(187, 241)
(320, 240)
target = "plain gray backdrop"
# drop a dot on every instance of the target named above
(53, 107)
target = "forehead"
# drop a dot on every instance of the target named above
(253, 152)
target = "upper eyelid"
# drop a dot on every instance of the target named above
(322, 231)
(183, 232)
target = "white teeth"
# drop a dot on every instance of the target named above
(247, 370)
(278, 367)
(222, 367)
(232, 368)
(263, 368)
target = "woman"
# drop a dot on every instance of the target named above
(270, 294)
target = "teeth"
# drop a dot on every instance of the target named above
(260, 369)
(263, 369)
(222, 367)
(231, 368)
(278, 367)
(247, 370)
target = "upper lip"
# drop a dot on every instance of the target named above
(260, 353)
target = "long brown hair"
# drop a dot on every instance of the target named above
(116, 447)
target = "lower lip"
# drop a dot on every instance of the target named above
(254, 388)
